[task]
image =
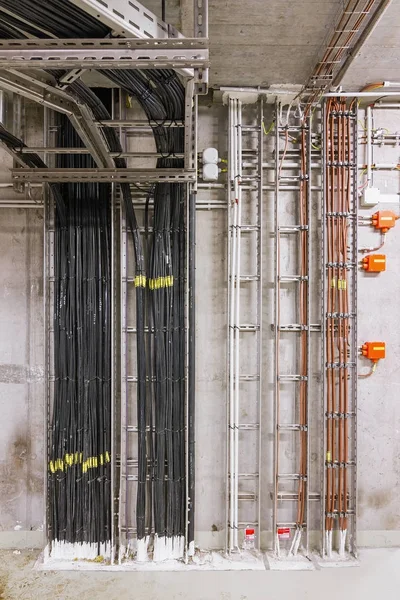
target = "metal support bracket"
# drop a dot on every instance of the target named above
(103, 175)
(129, 18)
(41, 92)
(108, 53)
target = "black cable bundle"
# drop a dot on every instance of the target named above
(161, 358)
(167, 303)
(80, 455)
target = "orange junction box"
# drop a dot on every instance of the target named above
(374, 263)
(384, 220)
(374, 350)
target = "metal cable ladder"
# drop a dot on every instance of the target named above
(128, 466)
(292, 484)
(244, 374)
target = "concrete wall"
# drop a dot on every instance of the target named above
(378, 319)
(22, 394)
(22, 388)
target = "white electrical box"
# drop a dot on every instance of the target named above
(210, 155)
(370, 196)
(210, 172)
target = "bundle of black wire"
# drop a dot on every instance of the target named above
(80, 453)
(161, 358)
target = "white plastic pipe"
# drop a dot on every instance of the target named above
(233, 210)
(381, 104)
(369, 146)
(377, 93)
(391, 84)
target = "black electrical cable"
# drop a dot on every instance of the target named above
(161, 358)
(80, 469)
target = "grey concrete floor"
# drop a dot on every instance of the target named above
(377, 576)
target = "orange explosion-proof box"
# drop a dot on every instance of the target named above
(384, 220)
(374, 263)
(374, 350)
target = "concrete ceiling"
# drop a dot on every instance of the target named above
(379, 58)
(261, 43)
(266, 42)
(256, 42)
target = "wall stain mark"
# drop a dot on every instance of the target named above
(19, 374)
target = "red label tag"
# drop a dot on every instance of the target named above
(284, 533)
(249, 532)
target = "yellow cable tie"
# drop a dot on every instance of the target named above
(51, 465)
(107, 457)
(328, 457)
(101, 459)
(333, 282)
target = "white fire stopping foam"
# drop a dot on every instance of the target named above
(141, 549)
(342, 543)
(81, 551)
(328, 543)
(168, 548)
(191, 548)
(294, 548)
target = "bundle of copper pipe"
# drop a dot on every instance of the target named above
(338, 159)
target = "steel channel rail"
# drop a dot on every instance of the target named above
(103, 175)
(122, 509)
(191, 136)
(109, 53)
(308, 395)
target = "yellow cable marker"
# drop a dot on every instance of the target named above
(140, 281)
(69, 460)
(161, 282)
